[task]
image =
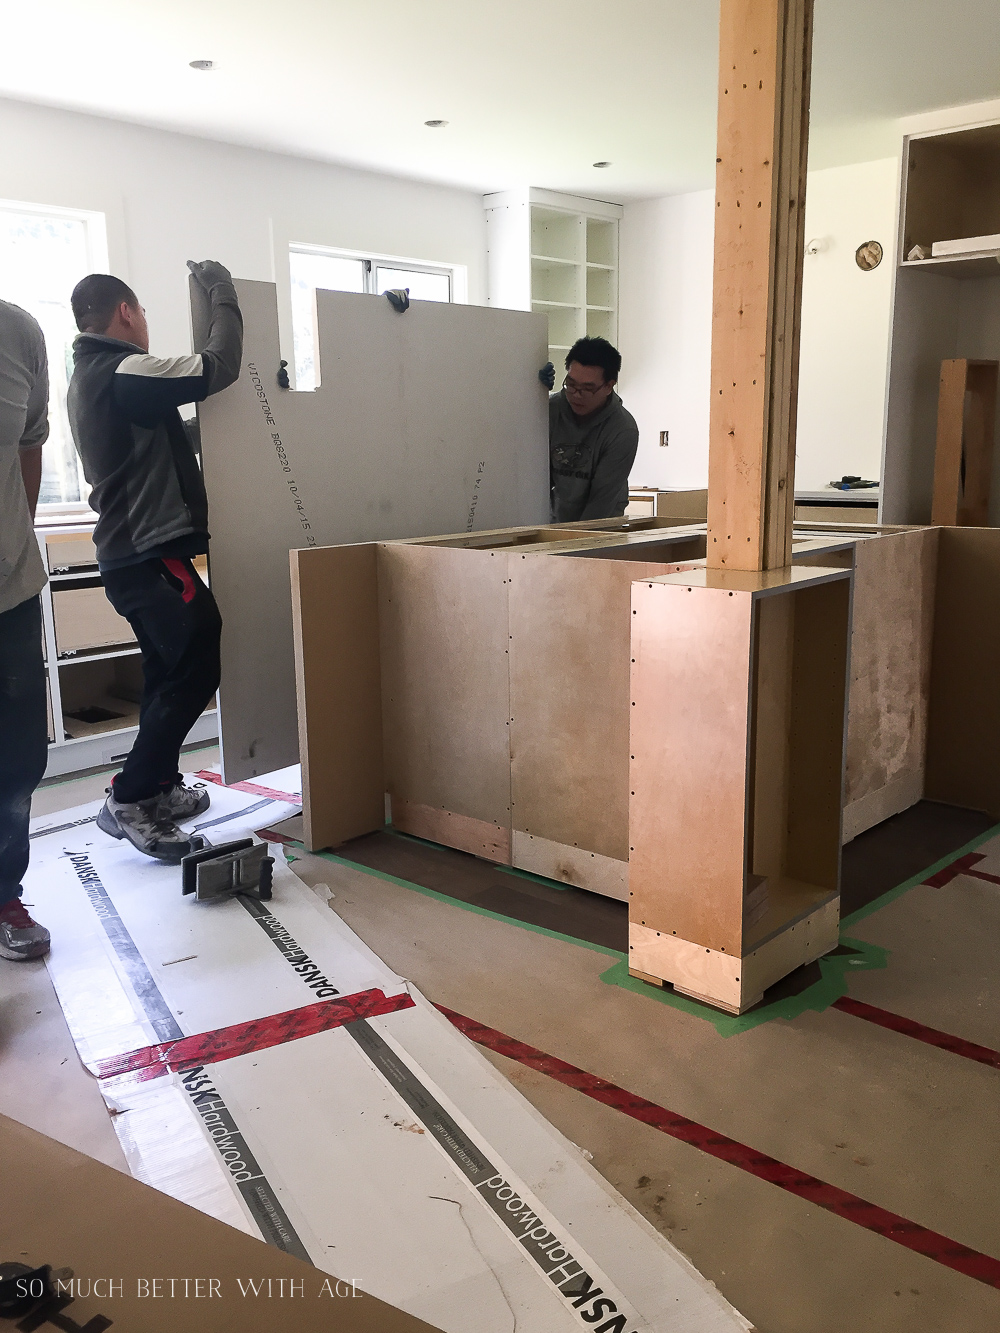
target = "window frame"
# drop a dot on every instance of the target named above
(371, 261)
(95, 225)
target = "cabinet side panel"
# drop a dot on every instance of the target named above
(445, 690)
(893, 621)
(569, 661)
(821, 637)
(335, 632)
(963, 734)
(690, 689)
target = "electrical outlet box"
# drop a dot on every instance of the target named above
(664, 438)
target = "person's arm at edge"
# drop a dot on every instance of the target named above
(146, 386)
(31, 474)
(222, 352)
(36, 429)
(611, 473)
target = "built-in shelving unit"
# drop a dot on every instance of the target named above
(558, 255)
(944, 306)
(94, 672)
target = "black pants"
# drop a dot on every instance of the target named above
(23, 736)
(178, 626)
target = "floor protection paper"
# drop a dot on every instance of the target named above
(264, 1065)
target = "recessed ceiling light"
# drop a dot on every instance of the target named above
(202, 64)
(435, 124)
(602, 164)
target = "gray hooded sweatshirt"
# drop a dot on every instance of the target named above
(147, 486)
(590, 461)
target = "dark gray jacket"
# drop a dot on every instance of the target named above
(147, 486)
(590, 461)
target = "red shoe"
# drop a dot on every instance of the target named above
(20, 937)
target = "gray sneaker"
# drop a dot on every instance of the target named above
(20, 937)
(143, 824)
(181, 803)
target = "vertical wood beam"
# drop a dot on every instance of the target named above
(764, 65)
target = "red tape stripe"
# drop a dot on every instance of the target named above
(254, 788)
(948, 1252)
(257, 1035)
(963, 866)
(908, 1028)
(272, 835)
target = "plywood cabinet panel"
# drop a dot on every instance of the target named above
(445, 693)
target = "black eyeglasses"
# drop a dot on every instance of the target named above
(584, 390)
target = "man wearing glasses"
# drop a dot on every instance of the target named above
(592, 439)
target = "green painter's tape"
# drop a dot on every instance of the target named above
(834, 971)
(834, 968)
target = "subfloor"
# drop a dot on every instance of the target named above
(868, 1129)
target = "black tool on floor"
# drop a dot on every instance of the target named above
(242, 866)
(27, 1294)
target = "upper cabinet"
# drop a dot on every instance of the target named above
(946, 301)
(558, 255)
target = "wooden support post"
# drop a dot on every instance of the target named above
(739, 671)
(764, 63)
(963, 459)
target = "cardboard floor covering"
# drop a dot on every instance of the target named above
(263, 1065)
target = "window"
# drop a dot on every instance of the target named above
(311, 268)
(44, 252)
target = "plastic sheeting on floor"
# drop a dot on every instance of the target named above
(265, 1066)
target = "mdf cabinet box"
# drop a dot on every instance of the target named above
(84, 618)
(738, 714)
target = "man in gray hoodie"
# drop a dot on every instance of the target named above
(592, 439)
(152, 518)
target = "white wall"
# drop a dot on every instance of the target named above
(173, 197)
(846, 316)
(665, 333)
(665, 322)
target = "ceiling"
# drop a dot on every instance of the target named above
(535, 91)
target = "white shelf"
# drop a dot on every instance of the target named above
(87, 655)
(557, 255)
(99, 748)
(983, 265)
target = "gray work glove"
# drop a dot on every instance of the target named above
(210, 273)
(547, 375)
